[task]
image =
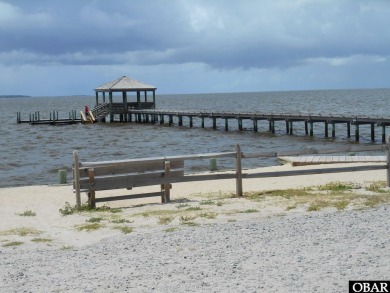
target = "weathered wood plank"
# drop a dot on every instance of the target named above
(131, 168)
(127, 180)
(130, 196)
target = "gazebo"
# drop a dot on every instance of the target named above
(126, 87)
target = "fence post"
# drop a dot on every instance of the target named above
(238, 171)
(91, 193)
(167, 186)
(388, 161)
(76, 177)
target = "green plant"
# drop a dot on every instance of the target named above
(248, 211)
(377, 187)
(193, 224)
(193, 209)
(41, 240)
(121, 221)
(317, 205)
(164, 220)
(69, 210)
(207, 202)
(170, 229)
(94, 220)
(187, 218)
(13, 243)
(89, 227)
(28, 213)
(23, 231)
(66, 247)
(124, 229)
(182, 205)
(209, 215)
(336, 187)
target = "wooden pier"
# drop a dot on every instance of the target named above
(168, 117)
(119, 113)
(35, 119)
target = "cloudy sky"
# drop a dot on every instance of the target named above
(56, 47)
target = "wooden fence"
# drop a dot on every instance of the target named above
(107, 175)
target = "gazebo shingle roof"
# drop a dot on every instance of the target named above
(124, 83)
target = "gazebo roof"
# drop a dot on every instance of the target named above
(125, 83)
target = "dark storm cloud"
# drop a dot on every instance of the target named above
(221, 34)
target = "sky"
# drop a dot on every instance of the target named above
(57, 48)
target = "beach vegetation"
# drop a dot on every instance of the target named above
(41, 240)
(207, 202)
(249, 211)
(94, 220)
(124, 229)
(337, 187)
(193, 208)
(182, 205)
(13, 243)
(187, 218)
(171, 229)
(121, 221)
(23, 231)
(164, 220)
(190, 223)
(66, 247)
(70, 210)
(89, 227)
(378, 187)
(28, 213)
(208, 215)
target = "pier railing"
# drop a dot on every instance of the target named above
(106, 175)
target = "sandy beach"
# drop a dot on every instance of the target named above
(205, 240)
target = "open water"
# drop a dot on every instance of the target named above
(32, 155)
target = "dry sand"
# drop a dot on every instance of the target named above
(233, 245)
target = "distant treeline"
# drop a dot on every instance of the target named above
(14, 96)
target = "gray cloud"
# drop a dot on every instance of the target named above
(244, 34)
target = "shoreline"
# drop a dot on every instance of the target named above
(203, 241)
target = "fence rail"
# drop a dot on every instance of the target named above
(124, 173)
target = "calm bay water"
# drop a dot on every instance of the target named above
(31, 155)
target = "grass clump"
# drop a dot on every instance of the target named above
(172, 229)
(207, 202)
(209, 215)
(249, 211)
(336, 187)
(121, 221)
(28, 213)
(70, 210)
(23, 231)
(66, 247)
(89, 227)
(182, 205)
(94, 220)
(164, 220)
(377, 187)
(13, 243)
(124, 229)
(41, 240)
(193, 209)
(187, 218)
(317, 205)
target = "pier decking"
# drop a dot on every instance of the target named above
(158, 116)
(120, 112)
(323, 159)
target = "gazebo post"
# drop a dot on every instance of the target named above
(111, 108)
(146, 96)
(154, 99)
(138, 100)
(124, 95)
(97, 98)
(104, 97)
